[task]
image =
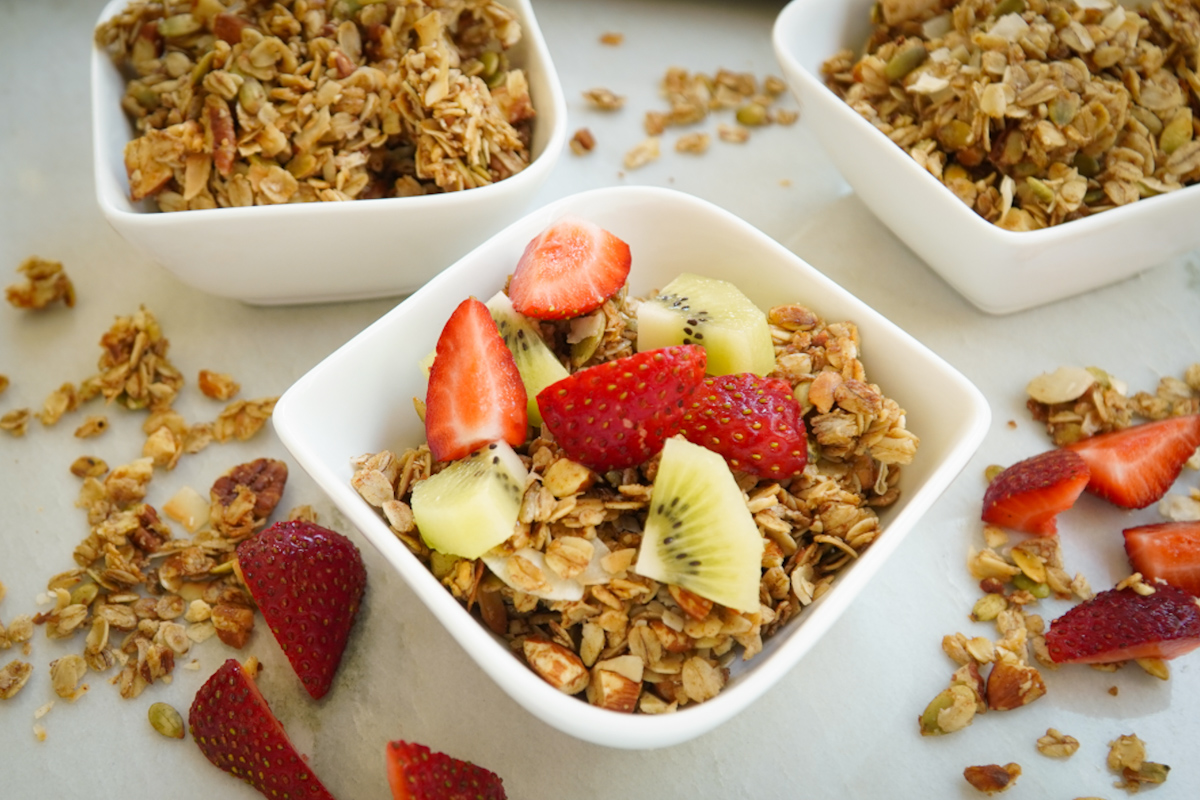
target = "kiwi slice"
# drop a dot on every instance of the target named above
(699, 534)
(538, 365)
(714, 314)
(471, 506)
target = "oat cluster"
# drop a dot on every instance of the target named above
(46, 282)
(631, 643)
(267, 102)
(1034, 112)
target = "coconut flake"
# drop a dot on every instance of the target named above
(927, 84)
(558, 587)
(1010, 27)
(1098, 5)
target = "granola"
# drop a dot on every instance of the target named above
(299, 101)
(45, 282)
(1037, 112)
(631, 643)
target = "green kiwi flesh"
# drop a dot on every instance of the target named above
(714, 314)
(535, 361)
(699, 534)
(472, 505)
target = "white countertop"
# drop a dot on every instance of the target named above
(842, 724)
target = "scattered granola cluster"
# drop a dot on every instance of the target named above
(45, 282)
(1073, 403)
(1034, 112)
(632, 643)
(692, 97)
(295, 101)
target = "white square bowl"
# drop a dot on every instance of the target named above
(359, 400)
(999, 271)
(325, 251)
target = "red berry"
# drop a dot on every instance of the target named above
(1135, 467)
(308, 582)
(1168, 551)
(417, 773)
(569, 269)
(1122, 625)
(1028, 495)
(475, 393)
(618, 414)
(235, 729)
(754, 422)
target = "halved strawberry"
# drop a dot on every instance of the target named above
(235, 729)
(417, 773)
(1121, 625)
(475, 393)
(308, 581)
(1169, 551)
(619, 413)
(1135, 467)
(569, 269)
(1028, 495)
(754, 422)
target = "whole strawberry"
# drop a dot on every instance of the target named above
(619, 413)
(754, 422)
(235, 729)
(417, 773)
(1119, 625)
(308, 581)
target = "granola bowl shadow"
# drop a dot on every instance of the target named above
(347, 406)
(322, 251)
(999, 271)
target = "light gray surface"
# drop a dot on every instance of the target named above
(842, 724)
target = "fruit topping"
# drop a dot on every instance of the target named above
(417, 773)
(1168, 551)
(699, 534)
(1119, 625)
(754, 422)
(308, 582)
(235, 729)
(1135, 467)
(569, 269)
(619, 413)
(471, 506)
(538, 365)
(475, 393)
(1029, 495)
(712, 313)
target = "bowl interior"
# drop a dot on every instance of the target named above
(359, 400)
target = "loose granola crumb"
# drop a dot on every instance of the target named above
(45, 282)
(696, 143)
(735, 134)
(217, 385)
(604, 99)
(612, 39)
(3, 383)
(15, 422)
(13, 678)
(93, 425)
(1127, 758)
(582, 142)
(1057, 745)
(992, 778)
(642, 153)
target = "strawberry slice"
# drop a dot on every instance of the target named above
(1121, 625)
(1028, 495)
(569, 269)
(1168, 551)
(475, 393)
(754, 422)
(235, 729)
(308, 581)
(619, 413)
(1135, 467)
(417, 773)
